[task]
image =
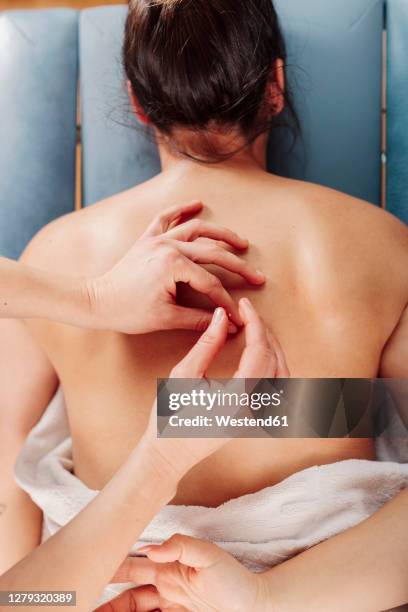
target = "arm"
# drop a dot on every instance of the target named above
(28, 292)
(84, 555)
(27, 383)
(146, 482)
(363, 569)
(138, 294)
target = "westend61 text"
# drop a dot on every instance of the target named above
(228, 421)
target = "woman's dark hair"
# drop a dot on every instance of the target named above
(201, 66)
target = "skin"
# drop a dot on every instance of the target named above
(337, 306)
(185, 574)
(137, 295)
(146, 482)
(334, 304)
(167, 252)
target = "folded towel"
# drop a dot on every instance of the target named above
(260, 529)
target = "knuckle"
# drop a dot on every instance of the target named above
(265, 352)
(159, 241)
(176, 538)
(207, 340)
(216, 252)
(201, 324)
(178, 541)
(195, 225)
(169, 253)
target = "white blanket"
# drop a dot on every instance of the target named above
(260, 529)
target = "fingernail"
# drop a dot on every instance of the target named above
(246, 303)
(261, 275)
(219, 315)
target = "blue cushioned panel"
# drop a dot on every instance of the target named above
(115, 154)
(38, 75)
(335, 70)
(397, 122)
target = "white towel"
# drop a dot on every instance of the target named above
(261, 529)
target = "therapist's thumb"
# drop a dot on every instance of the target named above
(186, 550)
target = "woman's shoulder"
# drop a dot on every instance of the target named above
(356, 243)
(86, 241)
(337, 212)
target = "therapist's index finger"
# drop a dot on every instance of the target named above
(255, 330)
(197, 228)
(259, 358)
(172, 216)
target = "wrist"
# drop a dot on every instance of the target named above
(91, 302)
(97, 300)
(107, 306)
(69, 301)
(162, 462)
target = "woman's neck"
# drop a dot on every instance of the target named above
(252, 157)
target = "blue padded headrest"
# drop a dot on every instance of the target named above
(334, 67)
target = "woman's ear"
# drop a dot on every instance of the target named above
(140, 114)
(276, 87)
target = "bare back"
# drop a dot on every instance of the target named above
(333, 297)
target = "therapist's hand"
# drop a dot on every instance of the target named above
(186, 574)
(139, 294)
(262, 357)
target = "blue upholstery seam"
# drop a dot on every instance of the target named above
(363, 16)
(20, 30)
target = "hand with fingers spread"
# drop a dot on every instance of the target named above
(139, 294)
